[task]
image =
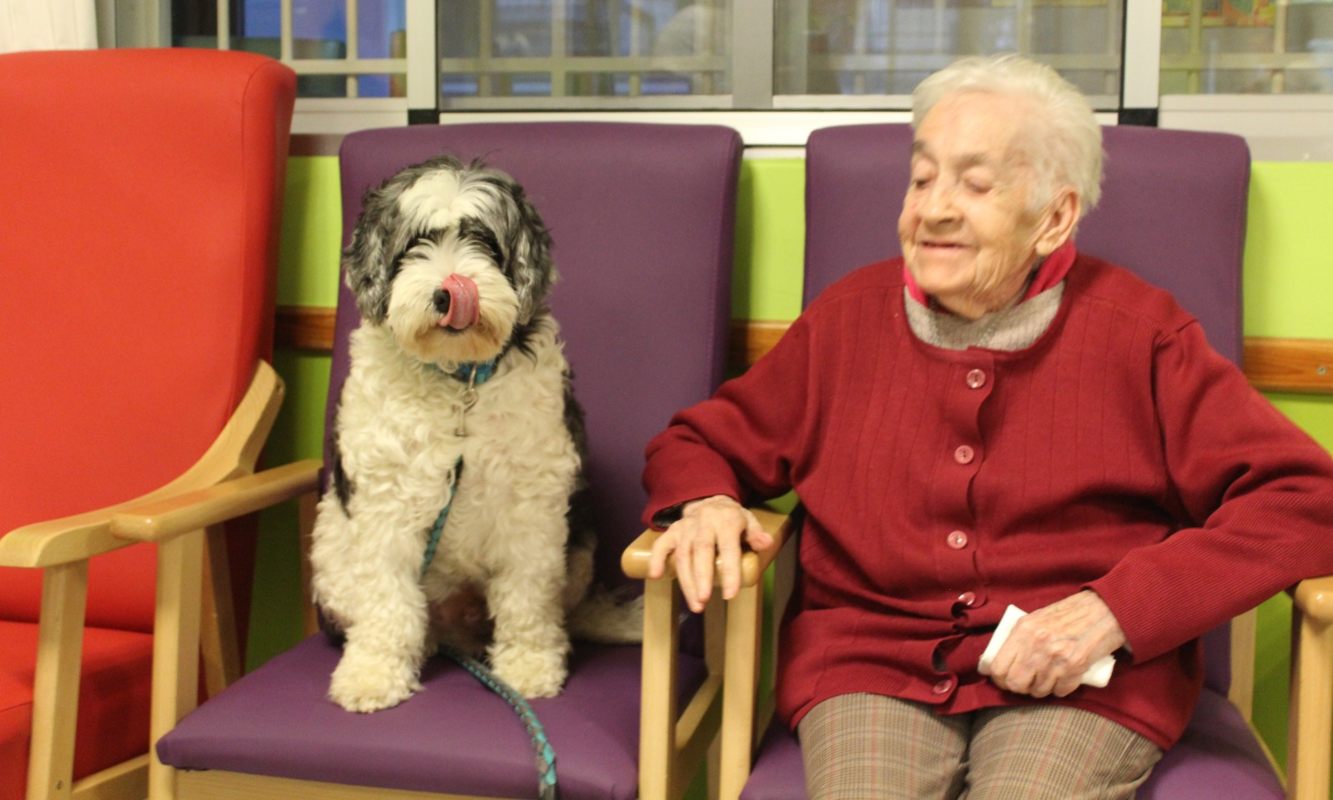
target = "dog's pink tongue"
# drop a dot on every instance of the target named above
(464, 305)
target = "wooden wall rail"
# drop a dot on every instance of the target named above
(305, 328)
(1272, 365)
(1290, 365)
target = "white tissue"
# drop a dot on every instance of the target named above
(1099, 674)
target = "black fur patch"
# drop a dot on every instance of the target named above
(582, 527)
(371, 259)
(521, 338)
(476, 232)
(342, 485)
(432, 237)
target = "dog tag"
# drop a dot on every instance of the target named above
(469, 400)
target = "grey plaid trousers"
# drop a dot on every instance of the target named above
(869, 747)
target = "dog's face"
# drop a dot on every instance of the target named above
(452, 258)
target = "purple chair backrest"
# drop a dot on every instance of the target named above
(640, 216)
(1172, 209)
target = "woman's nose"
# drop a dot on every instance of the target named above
(938, 203)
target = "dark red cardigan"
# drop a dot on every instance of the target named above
(1119, 452)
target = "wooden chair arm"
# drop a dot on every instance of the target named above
(233, 453)
(158, 520)
(634, 560)
(672, 739)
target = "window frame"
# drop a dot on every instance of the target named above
(1277, 127)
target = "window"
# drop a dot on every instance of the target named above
(868, 48)
(1246, 47)
(822, 53)
(658, 54)
(417, 58)
(526, 53)
(343, 49)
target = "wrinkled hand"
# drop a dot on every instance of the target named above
(1049, 650)
(708, 530)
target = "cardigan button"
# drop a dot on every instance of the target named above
(976, 379)
(957, 540)
(943, 687)
(964, 454)
(968, 599)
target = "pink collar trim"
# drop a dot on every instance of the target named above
(1052, 270)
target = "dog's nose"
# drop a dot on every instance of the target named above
(458, 302)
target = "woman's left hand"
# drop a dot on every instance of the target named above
(1049, 650)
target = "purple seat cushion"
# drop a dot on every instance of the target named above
(778, 772)
(454, 736)
(1218, 757)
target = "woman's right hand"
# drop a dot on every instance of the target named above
(708, 530)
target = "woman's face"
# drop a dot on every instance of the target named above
(967, 233)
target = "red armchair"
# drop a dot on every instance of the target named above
(139, 204)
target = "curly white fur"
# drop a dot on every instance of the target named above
(403, 425)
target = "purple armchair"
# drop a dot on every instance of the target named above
(1173, 209)
(641, 217)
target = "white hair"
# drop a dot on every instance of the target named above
(1064, 143)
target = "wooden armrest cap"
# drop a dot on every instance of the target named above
(1314, 597)
(634, 560)
(172, 516)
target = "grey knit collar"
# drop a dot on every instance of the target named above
(1014, 328)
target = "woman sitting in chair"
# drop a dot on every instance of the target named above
(995, 419)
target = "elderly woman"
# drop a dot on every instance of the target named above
(995, 419)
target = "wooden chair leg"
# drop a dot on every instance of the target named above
(306, 504)
(657, 721)
(55, 704)
(1244, 629)
(175, 648)
(714, 769)
(219, 640)
(744, 624)
(1310, 727)
(715, 657)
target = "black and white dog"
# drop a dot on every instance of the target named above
(457, 416)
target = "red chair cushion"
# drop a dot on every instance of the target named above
(113, 701)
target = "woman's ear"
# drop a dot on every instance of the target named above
(1058, 221)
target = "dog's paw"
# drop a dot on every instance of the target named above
(364, 685)
(531, 672)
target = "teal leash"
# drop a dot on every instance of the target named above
(547, 788)
(546, 779)
(433, 541)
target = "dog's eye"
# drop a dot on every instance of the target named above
(476, 232)
(423, 239)
(427, 239)
(430, 238)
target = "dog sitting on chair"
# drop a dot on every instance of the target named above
(457, 419)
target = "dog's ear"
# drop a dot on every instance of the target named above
(367, 262)
(529, 248)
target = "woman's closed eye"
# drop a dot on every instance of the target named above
(978, 184)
